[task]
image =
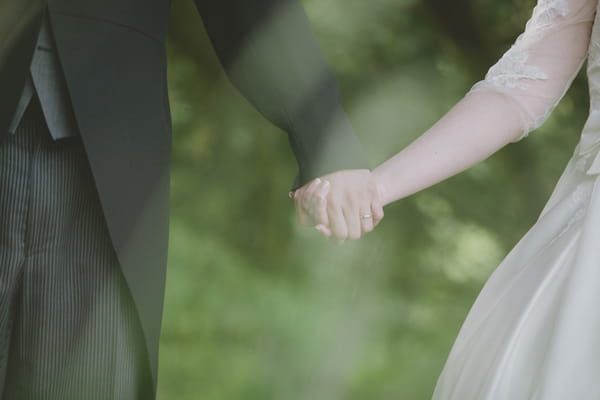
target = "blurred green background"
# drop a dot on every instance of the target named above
(259, 308)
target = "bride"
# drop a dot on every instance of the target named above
(534, 330)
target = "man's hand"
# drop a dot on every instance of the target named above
(343, 205)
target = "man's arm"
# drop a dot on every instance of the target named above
(270, 54)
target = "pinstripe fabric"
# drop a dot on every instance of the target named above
(68, 326)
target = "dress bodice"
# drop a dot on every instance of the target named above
(593, 68)
(590, 138)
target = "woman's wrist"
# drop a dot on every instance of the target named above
(382, 189)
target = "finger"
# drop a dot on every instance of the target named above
(308, 191)
(337, 222)
(352, 216)
(308, 201)
(312, 186)
(301, 216)
(366, 221)
(304, 218)
(378, 214)
(320, 206)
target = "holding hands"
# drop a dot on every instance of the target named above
(342, 205)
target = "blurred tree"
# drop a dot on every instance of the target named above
(258, 308)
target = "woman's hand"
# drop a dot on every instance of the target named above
(342, 205)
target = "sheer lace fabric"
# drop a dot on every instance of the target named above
(537, 70)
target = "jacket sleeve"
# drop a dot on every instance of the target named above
(270, 54)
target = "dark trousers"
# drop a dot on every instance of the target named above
(68, 326)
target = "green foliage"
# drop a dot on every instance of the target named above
(258, 308)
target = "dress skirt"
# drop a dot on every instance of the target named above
(534, 330)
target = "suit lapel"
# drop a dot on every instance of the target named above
(19, 27)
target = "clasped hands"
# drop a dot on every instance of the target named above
(342, 205)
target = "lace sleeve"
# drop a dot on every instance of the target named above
(538, 69)
(517, 95)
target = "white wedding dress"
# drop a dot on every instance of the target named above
(534, 331)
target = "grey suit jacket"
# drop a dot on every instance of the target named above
(113, 56)
(46, 79)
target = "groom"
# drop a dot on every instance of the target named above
(84, 174)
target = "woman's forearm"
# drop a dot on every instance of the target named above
(478, 126)
(517, 95)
